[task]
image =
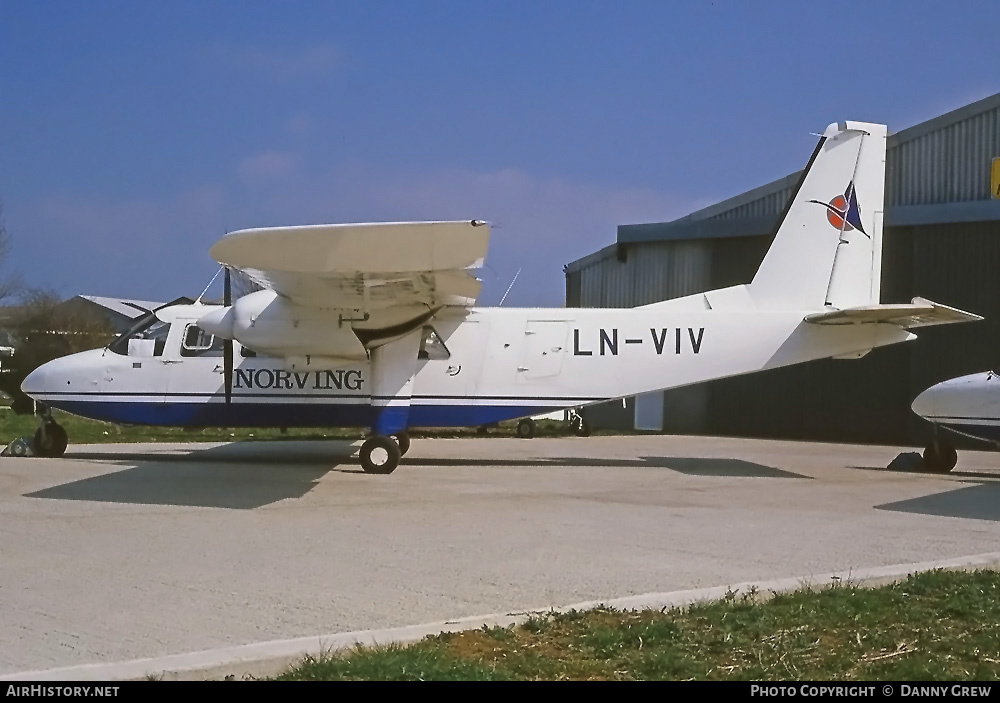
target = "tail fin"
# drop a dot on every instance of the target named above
(827, 251)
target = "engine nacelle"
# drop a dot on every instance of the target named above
(272, 325)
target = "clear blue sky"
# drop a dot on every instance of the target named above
(134, 134)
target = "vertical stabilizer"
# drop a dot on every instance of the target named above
(827, 251)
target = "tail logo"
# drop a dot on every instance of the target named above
(843, 212)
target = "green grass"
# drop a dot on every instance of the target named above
(84, 431)
(941, 625)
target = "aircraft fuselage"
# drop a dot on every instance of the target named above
(484, 365)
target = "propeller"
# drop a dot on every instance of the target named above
(227, 353)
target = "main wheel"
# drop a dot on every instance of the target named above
(379, 455)
(526, 428)
(940, 456)
(403, 440)
(51, 440)
(581, 428)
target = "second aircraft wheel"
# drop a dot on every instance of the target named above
(526, 428)
(940, 457)
(379, 455)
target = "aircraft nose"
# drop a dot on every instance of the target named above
(38, 381)
(923, 404)
(957, 397)
(57, 375)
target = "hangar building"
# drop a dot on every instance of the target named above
(941, 241)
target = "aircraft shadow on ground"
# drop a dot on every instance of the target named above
(244, 476)
(240, 476)
(977, 502)
(691, 466)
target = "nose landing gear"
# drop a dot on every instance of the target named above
(50, 438)
(940, 456)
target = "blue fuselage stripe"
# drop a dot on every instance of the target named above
(242, 414)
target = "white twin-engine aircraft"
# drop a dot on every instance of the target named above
(375, 325)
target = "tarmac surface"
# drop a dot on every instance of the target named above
(119, 552)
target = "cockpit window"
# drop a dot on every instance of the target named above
(146, 337)
(198, 342)
(431, 346)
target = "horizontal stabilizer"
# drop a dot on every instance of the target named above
(918, 313)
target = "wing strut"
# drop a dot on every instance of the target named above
(227, 353)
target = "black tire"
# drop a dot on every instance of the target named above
(940, 457)
(526, 428)
(379, 455)
(51, 442)
(403, 440)
(581, 428)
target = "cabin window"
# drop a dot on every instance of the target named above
(247, 352)
(198, 342)
(431, 346)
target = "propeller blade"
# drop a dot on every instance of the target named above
(227, 353)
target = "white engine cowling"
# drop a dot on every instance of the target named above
(272, 325)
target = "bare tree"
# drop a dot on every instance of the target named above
(41, 327)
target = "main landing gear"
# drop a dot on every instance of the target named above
(940, 456)
(380, 454)
(50, 438)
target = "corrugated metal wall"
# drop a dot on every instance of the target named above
(948, 165)
(770, 204)
(649, 273)
(958, 265)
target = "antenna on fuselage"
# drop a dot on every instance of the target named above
(509, 287)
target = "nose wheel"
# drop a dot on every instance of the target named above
(940, 456)
(50, 440)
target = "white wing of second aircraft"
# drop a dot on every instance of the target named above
(364, 267)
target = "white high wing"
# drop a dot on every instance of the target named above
(375, 325)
